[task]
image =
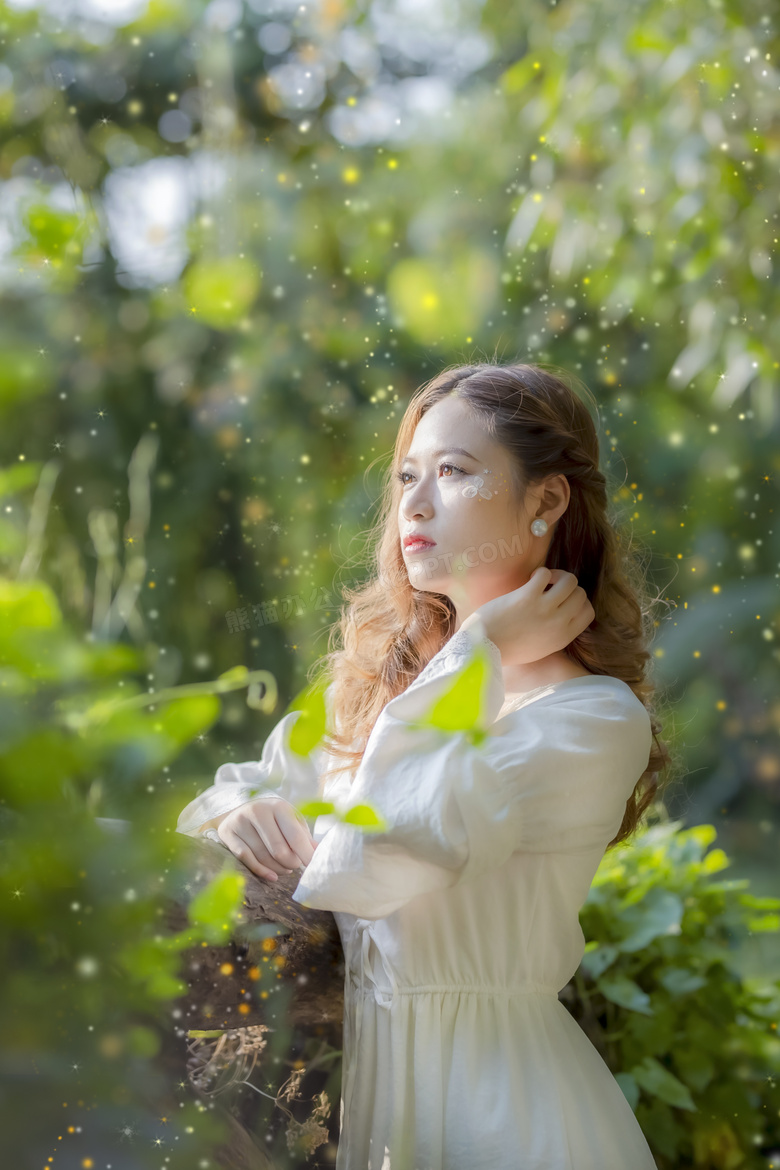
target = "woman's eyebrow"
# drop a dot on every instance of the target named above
(446, 451)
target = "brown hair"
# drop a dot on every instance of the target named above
(389, 630)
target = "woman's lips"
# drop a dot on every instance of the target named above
(419, 546)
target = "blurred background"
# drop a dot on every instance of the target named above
(235, 237)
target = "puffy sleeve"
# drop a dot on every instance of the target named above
(551, 776)
(279, 772)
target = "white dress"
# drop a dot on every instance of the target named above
(460, 924)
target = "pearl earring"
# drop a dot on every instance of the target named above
(539, 527)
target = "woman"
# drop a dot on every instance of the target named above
(460, 922)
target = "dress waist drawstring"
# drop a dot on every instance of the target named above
(386, 998)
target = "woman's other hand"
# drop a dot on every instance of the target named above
(269, 836)
(533, 621)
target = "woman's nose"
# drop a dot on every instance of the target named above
(416, 502)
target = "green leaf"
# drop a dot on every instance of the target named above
(657, 1118)
(694, 1066)
(235, 674)
(623, 991)
(182, 719)
(649, 1035)
(33, 605)
(215, 907)
(727, 886)
(655, 1079)
(54, 234)
(714, 861)
(703, 835)
(309, 728)
(462, 706)
(659, 912)
(315, 808)
(767, 922)
(365, 816)
(759, 903)
(680, 980)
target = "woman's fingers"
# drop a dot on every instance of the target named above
(582, 612)
(284, 837)
(563, 585)
(296, 834)
(241, 849)
(570, 603)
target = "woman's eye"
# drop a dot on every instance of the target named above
(452, 466)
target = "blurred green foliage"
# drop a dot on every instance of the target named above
(236, 237)
(87, 972)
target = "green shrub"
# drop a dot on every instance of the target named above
(693, 1044)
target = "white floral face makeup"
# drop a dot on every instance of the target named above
(476, 488)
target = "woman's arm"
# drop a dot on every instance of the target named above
(279, 772)
(556, 778)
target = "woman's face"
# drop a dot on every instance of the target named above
(458, 492)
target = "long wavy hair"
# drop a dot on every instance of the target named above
(389, 630)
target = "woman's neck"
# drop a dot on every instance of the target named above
(553, 668)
